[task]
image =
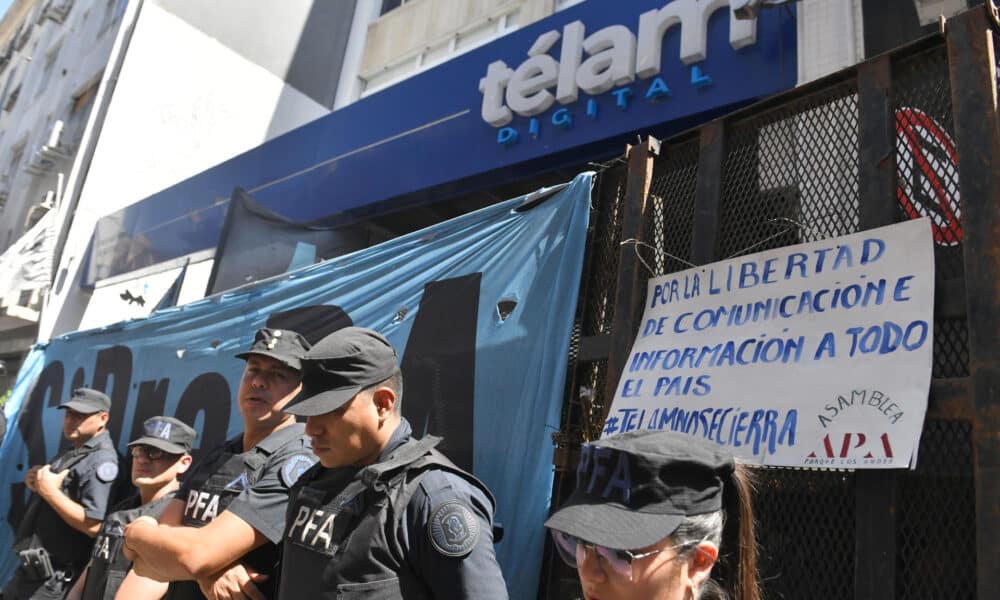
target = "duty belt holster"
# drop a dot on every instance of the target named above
(35, 560)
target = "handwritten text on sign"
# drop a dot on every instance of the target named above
(810, 355)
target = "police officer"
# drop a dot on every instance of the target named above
(69, 502)
(231, 508)
(384, 514)
(159, 457)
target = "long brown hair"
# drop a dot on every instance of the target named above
(737, 565)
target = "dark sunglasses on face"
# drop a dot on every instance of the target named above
(572, 549)
(151, 453)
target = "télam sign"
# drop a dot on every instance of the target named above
(815, 355)
(606, 62)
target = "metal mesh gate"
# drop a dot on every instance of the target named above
(863, 148)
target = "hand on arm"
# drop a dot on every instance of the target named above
(49, 487)
(191, 553)
(235, 583)
(31, 478)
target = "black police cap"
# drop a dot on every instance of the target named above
(88, 401)
(168, 434)
(283, 345)
(634, 489)
(339, 366)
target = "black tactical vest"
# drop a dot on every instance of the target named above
(224, 475)
(42, 525)
(108, 565)
(341, 538)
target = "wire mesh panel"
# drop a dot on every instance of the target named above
(927, 172)
(606, 224)
(672, 195)
(805, 528)
(936, 532)
(951, 348)
(791, 174)
(926, 154)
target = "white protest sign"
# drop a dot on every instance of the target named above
(811, 355)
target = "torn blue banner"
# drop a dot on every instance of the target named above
(480, 309)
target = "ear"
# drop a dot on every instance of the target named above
(385, 401)
(183, 464)
(105, 416)
(703, 558)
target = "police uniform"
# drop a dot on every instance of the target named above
(93, 468)
(252, 485)
(413, 525)
(108, 565)
(410, 524)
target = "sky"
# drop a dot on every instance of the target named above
(4, 5)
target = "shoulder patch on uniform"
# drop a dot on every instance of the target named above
(107, 471)
(453, 529)
(239, 483)
(294, 467)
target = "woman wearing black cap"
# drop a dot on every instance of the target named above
(651, 516)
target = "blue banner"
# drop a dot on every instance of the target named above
(480, 309)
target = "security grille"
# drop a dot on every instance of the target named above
(787, 171)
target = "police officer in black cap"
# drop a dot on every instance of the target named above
(222, 528)
(160, 456)
(384, 514)
(659, 515)
(69, 502)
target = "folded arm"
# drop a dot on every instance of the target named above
(180, 553)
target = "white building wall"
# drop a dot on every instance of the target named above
(106, 305)
(183, 103)
(830, 37)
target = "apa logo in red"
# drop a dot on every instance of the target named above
(925, 162)
(851, 445)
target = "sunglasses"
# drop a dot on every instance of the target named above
(572, 549)
(150, 453)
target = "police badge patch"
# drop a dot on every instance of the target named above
(294, 467)
(453, 529)
(107, 471)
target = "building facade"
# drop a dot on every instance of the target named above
(394, 61)
(52, 57)
(305, 106)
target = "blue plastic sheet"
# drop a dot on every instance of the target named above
(489, 377)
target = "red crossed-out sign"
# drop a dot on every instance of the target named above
(925, 161)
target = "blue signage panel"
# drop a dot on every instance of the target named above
(480, 309)
(564, 90)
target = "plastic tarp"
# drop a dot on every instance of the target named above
(480, 309)
(27, 264)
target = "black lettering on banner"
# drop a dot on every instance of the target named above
(439, 369)
(151, 400)
(48, 385)
(311, 322)
(79, 380)
(207, 393)
(114, 362)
